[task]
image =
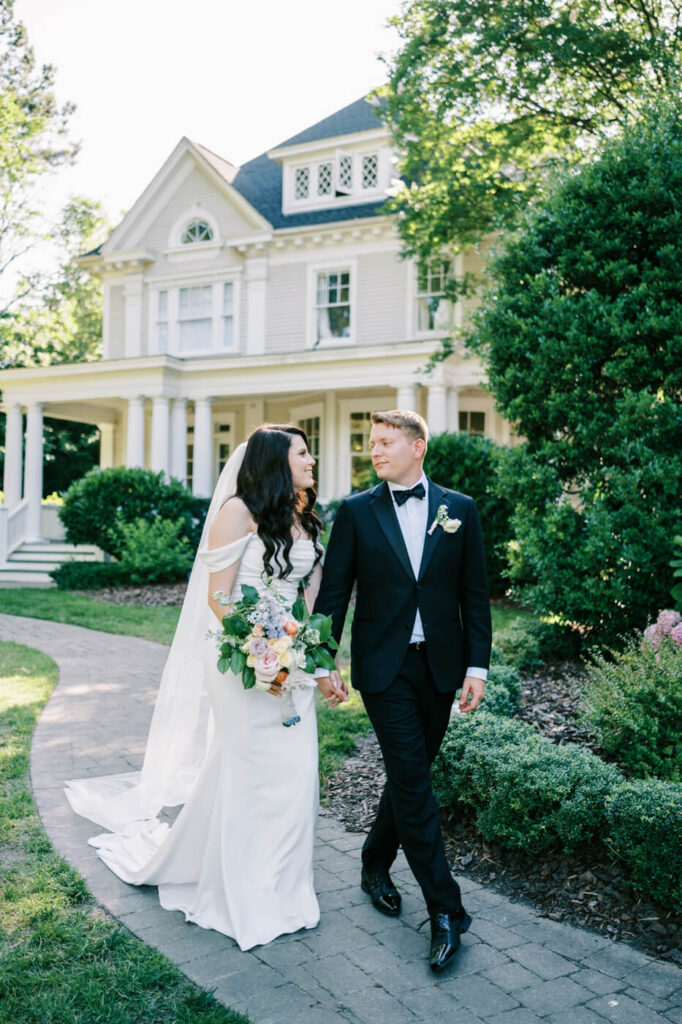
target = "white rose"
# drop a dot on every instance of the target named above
(452, 525)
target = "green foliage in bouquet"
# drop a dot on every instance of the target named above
(96, 506)
(633, 704)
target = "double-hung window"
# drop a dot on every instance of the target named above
(434, 309)
(332, 306)
(197, 319)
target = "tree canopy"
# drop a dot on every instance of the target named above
(484, 97)
(582, 332)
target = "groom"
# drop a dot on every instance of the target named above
(421, 630)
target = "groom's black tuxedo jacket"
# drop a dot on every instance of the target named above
(451, 591)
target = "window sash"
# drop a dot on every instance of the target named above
(332, 308)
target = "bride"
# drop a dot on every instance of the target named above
(239, 856)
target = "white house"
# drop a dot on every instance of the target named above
(235, 295)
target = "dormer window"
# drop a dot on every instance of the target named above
(197, 231)
(344, 177)
(302, 182)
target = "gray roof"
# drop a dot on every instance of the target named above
(260, 180)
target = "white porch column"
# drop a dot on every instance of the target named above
(159, 455)
(106, 445)
(436, 409)
(33, 471)
(453, 410)
(135, 433)
(254, 415)
(178, 446)
(14, 431)
(407, 397)
(202, 483)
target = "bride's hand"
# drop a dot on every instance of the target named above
(332, 688)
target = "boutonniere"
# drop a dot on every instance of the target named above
(443, 520)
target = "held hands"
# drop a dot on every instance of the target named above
(332, 688)
(474, 687)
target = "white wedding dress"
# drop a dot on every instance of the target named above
(239, 856)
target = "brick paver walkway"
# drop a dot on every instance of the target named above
(357, 967)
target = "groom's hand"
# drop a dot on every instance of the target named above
(332, 688)
(474, 687)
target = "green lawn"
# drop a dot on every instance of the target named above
(78, 610)
(62, 960)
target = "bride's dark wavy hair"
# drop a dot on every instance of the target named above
(265, 486)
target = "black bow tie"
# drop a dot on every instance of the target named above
(414, 492)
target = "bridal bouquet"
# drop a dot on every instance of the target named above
(265, 641)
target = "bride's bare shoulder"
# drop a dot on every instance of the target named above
(233, 520)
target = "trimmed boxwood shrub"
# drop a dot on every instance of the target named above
(633, 703)
(88, 575)
(502, 691)
(525, 792)
(96, 505)
(645, 833)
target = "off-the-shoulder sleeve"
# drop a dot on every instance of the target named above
(222, 558)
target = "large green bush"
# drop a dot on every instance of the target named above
(527, 645)
(88, 575)
(525, 792)
(502, 691)
(633, 703)
(581, 333)
(645, 833)
(470, 464)
(96, 505)
(154, 552)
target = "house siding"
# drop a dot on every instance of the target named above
(381, 291)
(286, 317)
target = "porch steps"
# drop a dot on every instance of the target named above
(30, 564)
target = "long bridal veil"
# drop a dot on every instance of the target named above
(178, 736)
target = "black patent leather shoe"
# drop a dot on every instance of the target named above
(381, 890)
(445, 932)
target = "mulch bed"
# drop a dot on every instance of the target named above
(156, 595)
(585, 889)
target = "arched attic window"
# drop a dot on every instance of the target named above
(196, 231)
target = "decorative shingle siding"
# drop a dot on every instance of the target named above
(286, 304)
(381, 290)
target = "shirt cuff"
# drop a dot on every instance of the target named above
(478, 673)
(320, 673)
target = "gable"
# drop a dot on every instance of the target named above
(187, 183)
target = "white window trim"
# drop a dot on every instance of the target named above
(222, 419)
(412, 282)
(357, 195)
(314, 269)
(363, 403)
(196, 212)
(173, 340)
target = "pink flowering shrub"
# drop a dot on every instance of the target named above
(668, 623)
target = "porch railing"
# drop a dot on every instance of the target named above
(13, 523)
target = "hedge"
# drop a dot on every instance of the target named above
(526, 793)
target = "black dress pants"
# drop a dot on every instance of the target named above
(410, 719)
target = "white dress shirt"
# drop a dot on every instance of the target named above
(413, 517)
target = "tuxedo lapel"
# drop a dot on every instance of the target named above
(436, 497)
(382, 507)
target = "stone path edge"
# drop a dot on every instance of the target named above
(357, 967)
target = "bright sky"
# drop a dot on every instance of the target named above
(237, 77)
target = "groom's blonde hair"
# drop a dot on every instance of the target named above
(411, 423)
